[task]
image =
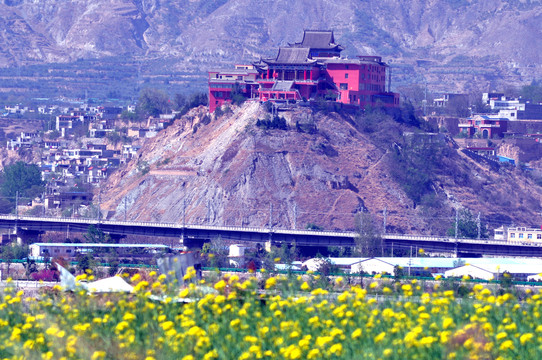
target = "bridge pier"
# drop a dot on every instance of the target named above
(26, 236)
(116, 237)
(191, 243)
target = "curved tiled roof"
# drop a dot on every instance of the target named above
(318, 39)
(291, 55)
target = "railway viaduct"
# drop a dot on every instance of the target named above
(27, 229)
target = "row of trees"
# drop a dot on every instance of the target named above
(153, 102)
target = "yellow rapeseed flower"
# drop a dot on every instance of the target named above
(380, 337)
(313, 354)
(336, 349)
(356, 334)
(271, 282)
(98, 355)
(387, 352)
(507, 345)
(221, 285)
(128, 316)
(525, 337)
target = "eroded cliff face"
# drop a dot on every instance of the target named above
(231, 172)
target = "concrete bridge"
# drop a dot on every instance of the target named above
(27, 229)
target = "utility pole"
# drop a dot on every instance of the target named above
(184, 212)
(456, 222)
(99, 206)
(410, 260)
(385, 218)
(425, 101)
(392, 249)
(208, 212)
(295, 216)
(184, 219)
(16, 205)
(478, 225)
(270, 216)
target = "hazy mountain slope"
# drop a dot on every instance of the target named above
(21, 42)
(232, 172)
(458, 40)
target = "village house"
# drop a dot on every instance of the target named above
(447, 98)
(17, 109)
(26, 139)
(310, 69)
(65, 199)
(129, 151)
(486, 126)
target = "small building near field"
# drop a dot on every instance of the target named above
(475, 272)
(373, 266)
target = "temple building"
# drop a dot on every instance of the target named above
(305, 71)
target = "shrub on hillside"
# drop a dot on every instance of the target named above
(278, 122)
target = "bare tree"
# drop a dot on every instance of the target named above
(369, 240)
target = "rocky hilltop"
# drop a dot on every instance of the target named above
(449, 43)
(322, 170)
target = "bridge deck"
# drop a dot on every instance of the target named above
(200, 233)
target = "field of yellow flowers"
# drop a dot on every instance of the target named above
(270, 317)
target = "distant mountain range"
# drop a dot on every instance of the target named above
(453, 45)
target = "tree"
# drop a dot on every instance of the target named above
(13, 252)
(369, 241)
(532, 92)
(459, 263)
(179, 101)
(22, 179)
(326, 267)
(152, 102)
(237, 96)
(467, 226)
(217, 250)
(459, 106)
(198, 99)
(95, 235)
(86, 262)
(414, 165)
(6, 206)
(286, 253)
(127, 116)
